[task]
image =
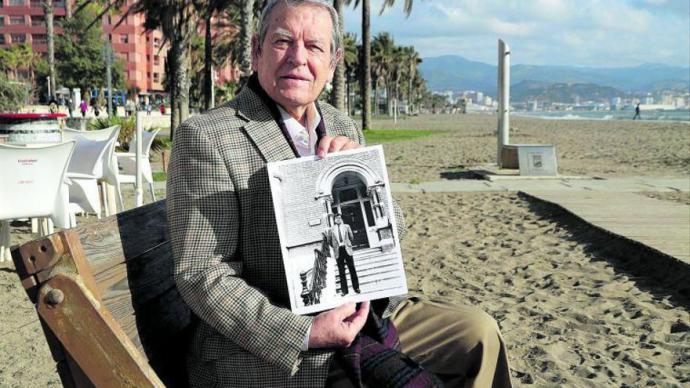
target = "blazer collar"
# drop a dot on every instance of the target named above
(261, 127)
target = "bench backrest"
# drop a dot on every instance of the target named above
(107, 300)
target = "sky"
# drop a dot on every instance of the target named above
(583, 33)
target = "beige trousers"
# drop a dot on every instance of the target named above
(462, 345)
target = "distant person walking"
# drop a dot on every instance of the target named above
(148, 109)
(130, 107)
(637, 112)
(162, 109)
(83, 107)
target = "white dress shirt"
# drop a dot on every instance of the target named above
(297, 130)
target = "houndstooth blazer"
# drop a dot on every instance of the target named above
(228, 263)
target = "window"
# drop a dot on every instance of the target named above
(2, 21)
(36, 3)
(2, 39)
(16, 20)
(38, 21)
(156, 60)
(39, 38)
(156, 42)
(18, 38)
(155, 77)
(16, 2)
(124, 38)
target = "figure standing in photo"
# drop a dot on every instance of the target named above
(341, 241)
(637, 112)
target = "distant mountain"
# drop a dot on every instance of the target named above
(561, 92)
(452, 72)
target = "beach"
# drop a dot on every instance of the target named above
(575, 308)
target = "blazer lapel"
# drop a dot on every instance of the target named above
(262, 128)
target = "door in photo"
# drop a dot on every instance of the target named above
(352, 215)
(351, 201)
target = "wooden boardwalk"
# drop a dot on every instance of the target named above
(661, 225)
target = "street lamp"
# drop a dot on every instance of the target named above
(107, 52)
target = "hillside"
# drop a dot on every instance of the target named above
(458, 73)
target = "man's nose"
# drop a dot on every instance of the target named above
(298, 54)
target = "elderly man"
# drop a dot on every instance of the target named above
(228, 264)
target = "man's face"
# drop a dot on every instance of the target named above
(295, 60)
(338, 220)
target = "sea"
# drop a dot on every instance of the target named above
(647, 115)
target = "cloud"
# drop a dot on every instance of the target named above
(584, 33)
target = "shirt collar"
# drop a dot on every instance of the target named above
(294, 128)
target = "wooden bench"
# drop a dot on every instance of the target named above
(107, 301)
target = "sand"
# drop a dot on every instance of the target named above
(575, 308)
(601, 148)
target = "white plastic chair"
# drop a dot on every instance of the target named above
(33, 185)
(85, 169)
(128, 161)
(110, 169)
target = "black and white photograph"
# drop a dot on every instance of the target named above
(337, 229)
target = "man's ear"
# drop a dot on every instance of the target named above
(255, 51)
(338, 57)
(334, 63)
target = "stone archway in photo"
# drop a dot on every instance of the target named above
(353, 190)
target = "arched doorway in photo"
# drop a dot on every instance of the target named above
(350, 199)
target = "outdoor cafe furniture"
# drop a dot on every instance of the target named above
(110, 175)
(85, 169)
(33, 186)
(128, 164)
(30, 128)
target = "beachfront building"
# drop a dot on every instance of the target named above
(143, 53)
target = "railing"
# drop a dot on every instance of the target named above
(314, 279)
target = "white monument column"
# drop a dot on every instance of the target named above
(503, 131)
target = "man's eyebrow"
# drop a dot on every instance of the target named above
(281, 32)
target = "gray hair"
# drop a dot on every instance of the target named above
(270, 5)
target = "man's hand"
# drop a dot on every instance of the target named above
(333, 144)
(337, 328)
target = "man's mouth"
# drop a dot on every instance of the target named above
(295, 78)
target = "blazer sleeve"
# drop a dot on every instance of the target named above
(204, 222)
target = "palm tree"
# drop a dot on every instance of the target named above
(365, 63)
(209, 10)
(246, 32)
(350, 62)
(407, 8)
(412, 60)
(50, 40)
(383, 49)
(177, 19)
(338, 94)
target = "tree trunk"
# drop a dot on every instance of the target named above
(347, 97)
(208, 64)
(366, 67)
(50, 40)
(338, 94)
(246, 31)
(174, 112)
(182, 80)
(376, 97)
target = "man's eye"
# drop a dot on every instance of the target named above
(282, 42)
(316, 48)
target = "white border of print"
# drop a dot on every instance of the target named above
(296, 304)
